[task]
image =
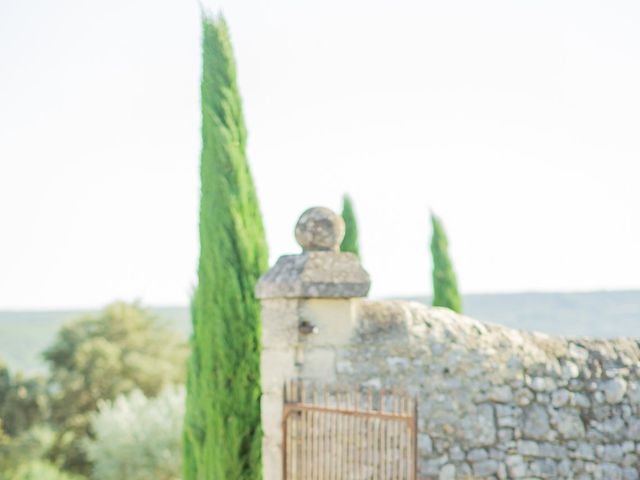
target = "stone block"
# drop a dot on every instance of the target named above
(485, 468)
(432, 466)
(479, 427)
(610, 453)
(569, 424)
(528, 448)
(633, 391)
(319, 364)
(448, 472)
(536, 423)
(607, 471)
(543, 468)
(477, 454)
(500, 394)
(541, 384)
(280, 319)
(315, 274)
(456, 454)
(425, 446)
(271, 411)
(276, 366)
(516, 466)
(334, 319)
(271, 461)
(560, 398)
(584, 451)
(614, 390)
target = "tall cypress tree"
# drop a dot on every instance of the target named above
(350, 240)
(445, 285)
(223, 437)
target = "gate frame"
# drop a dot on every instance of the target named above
(299, 405)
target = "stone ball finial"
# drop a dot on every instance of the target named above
(320, 228)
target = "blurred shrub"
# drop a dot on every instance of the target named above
(23, 409)
(30, 445)
(38, 470)
(21, 457)
(23, 401)
(138, 438)
(99, 357)
(5, 380)
(5, 457)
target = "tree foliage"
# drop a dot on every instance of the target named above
(137, 437)
(122, 348)
(222, 424)
(5, 380)
(350, 241)
(445, 284)
(24, 438)
(5, 455)
(38, 470)
(23, 401)
(16, 453)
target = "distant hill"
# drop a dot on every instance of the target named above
(24, 335)
(603, 314)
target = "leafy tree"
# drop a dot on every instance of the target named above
(122, 348)
(28, 446)
(222, 422)
(445, 285)
(26, 404)
(5, 457)
(39, 470)
(5, 381)
(138, 438)
(350, 241)
(23, 401)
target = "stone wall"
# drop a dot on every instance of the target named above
(500, 403)
(493, 402)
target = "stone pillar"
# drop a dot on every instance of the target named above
(308, 310)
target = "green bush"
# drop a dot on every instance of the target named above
(138, 438)
(99, 357)
(24, 401)
(31, 445)
(39, 470)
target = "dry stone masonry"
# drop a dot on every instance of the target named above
(501, 403)
(494, 403)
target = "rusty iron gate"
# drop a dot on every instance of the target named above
(347, 433)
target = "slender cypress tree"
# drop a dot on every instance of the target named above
(350, 241)
(445, 285)
(222, 433)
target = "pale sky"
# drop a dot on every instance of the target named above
(517, 122)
